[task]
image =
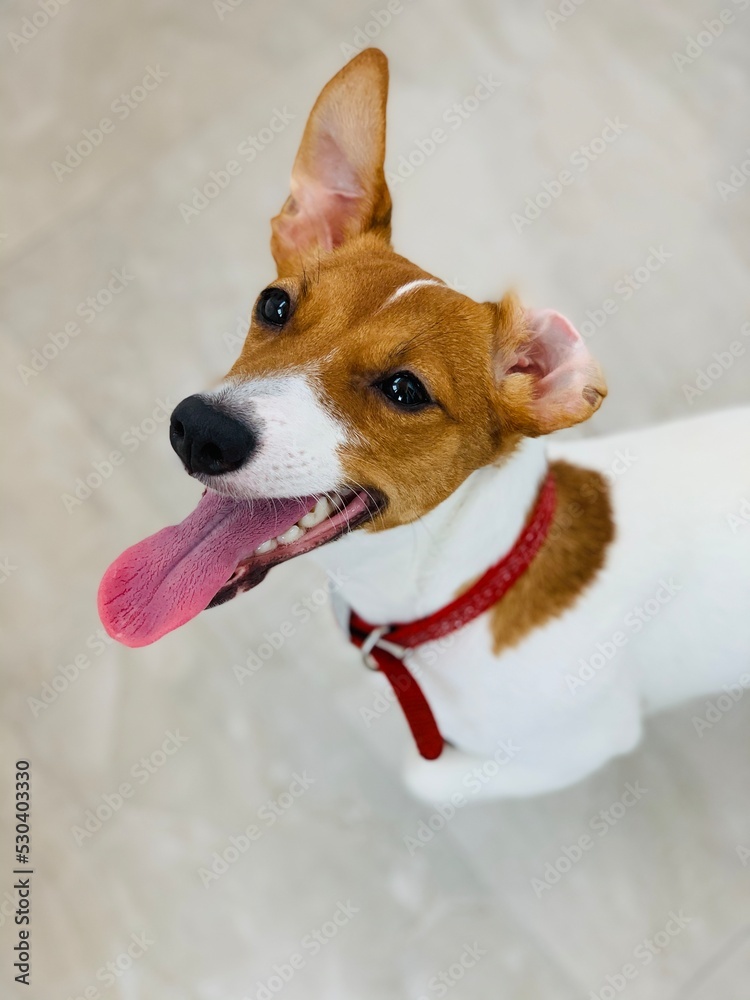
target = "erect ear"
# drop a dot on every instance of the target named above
(549, 379)
(338, 187)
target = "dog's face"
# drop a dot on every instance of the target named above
(367, 390)
(378, 376)
(360, 370)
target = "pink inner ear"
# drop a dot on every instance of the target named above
(326, 197)
(567, 380)
(338, 188)
(554, 345)
(333, 169)
(316, 217)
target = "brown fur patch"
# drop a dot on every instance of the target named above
(568, 561)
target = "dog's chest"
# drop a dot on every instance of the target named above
(666, 619)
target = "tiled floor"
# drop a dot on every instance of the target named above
(473, 901)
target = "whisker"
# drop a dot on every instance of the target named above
(377, 512)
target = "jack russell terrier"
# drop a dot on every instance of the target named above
(528, 604)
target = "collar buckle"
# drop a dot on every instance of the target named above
(375, 638)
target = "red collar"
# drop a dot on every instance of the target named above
(386, 647)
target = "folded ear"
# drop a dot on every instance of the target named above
(549, 379)
(338, 187)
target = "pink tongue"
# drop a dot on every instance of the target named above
(168, 578)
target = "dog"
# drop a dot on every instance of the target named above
(397, 429)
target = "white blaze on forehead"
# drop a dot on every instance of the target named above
(409, 287)
(298, 437)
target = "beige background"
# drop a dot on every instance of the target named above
(172, 331)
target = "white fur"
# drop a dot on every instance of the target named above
(674, 489)
(409, 287)
(299, 437)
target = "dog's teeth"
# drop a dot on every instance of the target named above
(317, 515)
(291, 535)
(268, 546)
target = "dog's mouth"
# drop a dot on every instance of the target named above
(331, 517)
(224, 547)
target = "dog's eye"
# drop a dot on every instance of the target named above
(274, 306)
(404, 389)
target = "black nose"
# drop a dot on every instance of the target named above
(207, 439)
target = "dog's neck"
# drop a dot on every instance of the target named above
(410, 571)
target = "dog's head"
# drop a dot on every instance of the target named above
(366, 392)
